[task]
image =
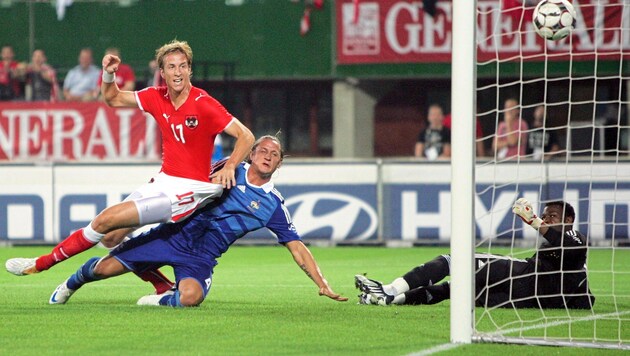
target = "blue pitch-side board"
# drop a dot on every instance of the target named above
(340, 212)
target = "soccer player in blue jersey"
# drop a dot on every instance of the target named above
(193, 246)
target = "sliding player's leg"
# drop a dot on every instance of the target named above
(77, 242)
(160, 282)
(189, 293)
(95, 269)
(124, 214)
(128, 214)
(193, 273)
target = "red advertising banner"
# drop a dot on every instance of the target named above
(42, 131)
(398, 31)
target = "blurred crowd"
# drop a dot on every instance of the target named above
(514, 137)
(37, 80)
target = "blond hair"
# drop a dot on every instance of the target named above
(172, 47)
(274, 138)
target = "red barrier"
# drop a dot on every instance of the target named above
(42, 131)
(397, 31)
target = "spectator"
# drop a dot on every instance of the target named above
(217, 154)
(154, 76)
(542, 143)
(41, 79)
(511, 138)
(81, 83)
(434, 142)
(125, 77)
(481, 151)
(11, 75)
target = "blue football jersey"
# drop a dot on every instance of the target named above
(193, 245)
(241, 209)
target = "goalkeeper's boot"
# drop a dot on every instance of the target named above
(21, 266)
(61, 294)
(365, 284)
(379, 296)
(382, 299)
(366, 299)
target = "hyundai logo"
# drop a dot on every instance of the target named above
(340, 215)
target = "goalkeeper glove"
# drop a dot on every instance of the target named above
(523, 208)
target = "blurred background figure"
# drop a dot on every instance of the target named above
(41, 79)
(511, 138)
(154, 78)
(81, 83)
(125, 76)
(11, 75)
(217, 154)
(434, 142)
(542, 143)
(479, 146)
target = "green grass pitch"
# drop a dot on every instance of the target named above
(261, 303)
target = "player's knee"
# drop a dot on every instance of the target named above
(103, 222)
(443, 262)
(108, 242)
(190, 293)
(190, 298)
(113, 239)
(438, 266)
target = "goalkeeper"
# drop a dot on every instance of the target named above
(554, 277)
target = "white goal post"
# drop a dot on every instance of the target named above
(463, 92)
(583, 84)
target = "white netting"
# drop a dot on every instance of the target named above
(579, 154)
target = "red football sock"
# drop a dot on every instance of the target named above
(160, 282)
(72, 245)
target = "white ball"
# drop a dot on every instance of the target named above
(554, 19)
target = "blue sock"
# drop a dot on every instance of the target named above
(171, 300)
(84, 274)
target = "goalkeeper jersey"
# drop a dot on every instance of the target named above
(560, 266)
(559, 251)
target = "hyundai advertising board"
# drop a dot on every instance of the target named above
(338, 202)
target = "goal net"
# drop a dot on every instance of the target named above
(573, 145)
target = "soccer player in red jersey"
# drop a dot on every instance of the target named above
(189, 119)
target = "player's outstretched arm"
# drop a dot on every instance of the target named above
(303, 257)
(242, 147)
(112, 95)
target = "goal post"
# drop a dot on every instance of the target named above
(463, 82)
(583, 85)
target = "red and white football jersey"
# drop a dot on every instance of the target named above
(188, 133)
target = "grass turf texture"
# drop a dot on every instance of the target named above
(262, 303)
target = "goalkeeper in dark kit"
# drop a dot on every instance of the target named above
(554, 277)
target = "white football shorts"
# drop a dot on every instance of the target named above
(186, 195)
